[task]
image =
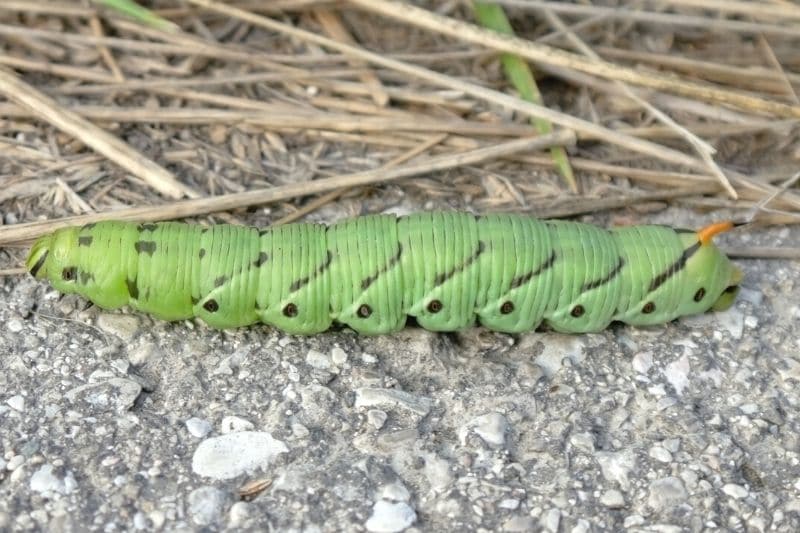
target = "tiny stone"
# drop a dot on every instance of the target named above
(735, 491)
(44, 481)
(666, 493)
(508, 503)
(239, 512)
(15, 462)
(16, 402)
(583, 441)
(660, 454)
(376, 418)
(338, 356)
(372, 396)
(233, 424)
(157, 518)
(389, 517)
(14, 325)
(613, 499)
(139, 521)
(550, 520)
(318, 360)
(492, 428)
(517, 524)
(143, 354)
(369, 358)
(123, 326)
(198, 427)
(642, 362)
(231, 455)
(205, 505)
(677, 373)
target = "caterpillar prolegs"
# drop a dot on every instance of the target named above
(445, 269)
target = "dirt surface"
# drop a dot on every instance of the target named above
(118, 421)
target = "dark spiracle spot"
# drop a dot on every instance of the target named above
(700, 294)
(648, 308)
(435, 306)
(211, 306)
(577, 311)
(290, 310)
(364, 311)
(506, 308)
(69, 274)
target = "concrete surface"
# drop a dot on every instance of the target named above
(114, 421)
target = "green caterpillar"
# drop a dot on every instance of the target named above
(443, 268)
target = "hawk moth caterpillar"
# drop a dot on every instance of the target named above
(445, 269)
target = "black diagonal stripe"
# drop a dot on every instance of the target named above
(39, 264)
(525, 278)
(148, 247)
(302, 282)
(605, 279)
(133, 288)
(675, 267)
(441, 278)
(366, 282)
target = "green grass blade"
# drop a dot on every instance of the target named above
(521, 78)
(138, 13)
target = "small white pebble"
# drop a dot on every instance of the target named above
(734, 491)
(338, 356)
(198, 427)
(660, 454)
(16, 402)
(613, 499)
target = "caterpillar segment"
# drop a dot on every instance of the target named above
(448, 270)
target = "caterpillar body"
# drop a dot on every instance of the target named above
(445, 269)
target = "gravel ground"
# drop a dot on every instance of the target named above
(114, 421)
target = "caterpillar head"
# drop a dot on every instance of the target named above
(715, 278)
(53, 257)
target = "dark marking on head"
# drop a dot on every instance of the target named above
(85, 240)
(220, 281)
(39, 263)
(364, 311)
(441, 278)
(525, 278)
(84, 277)
(302, 282)
(700, 294)
(577, 311)
(507, 308)
(435, 306)
(648, 308)
(369, 280)
(290, 310)
(69, 273)
(605, 279)
(675, 267)
(201, 253)
(211, 306)
(147, 227)
(133, 288)
(147, 247)
(262, 258)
